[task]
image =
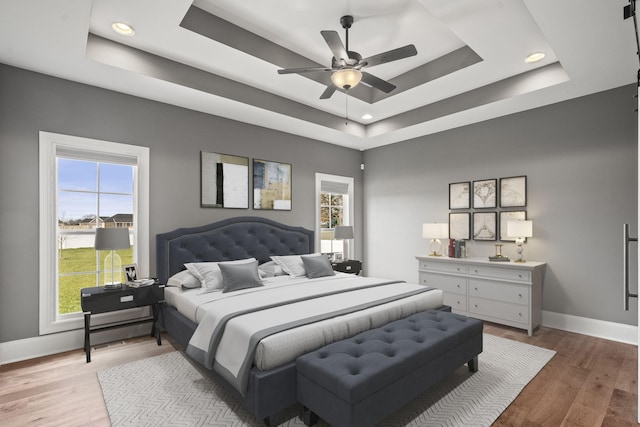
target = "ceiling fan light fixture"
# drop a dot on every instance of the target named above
(346, 78)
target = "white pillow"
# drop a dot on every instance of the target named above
(292, 264)
(184, 279)
(209, 273)
(270, 269)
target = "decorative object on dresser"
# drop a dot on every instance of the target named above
(344, 233)
(224, 181)
(112, 239)
(505, 293)
(271, 185)
(99, 299)
(520, 230)
(498, 256)
(435, 231)
(351, 266)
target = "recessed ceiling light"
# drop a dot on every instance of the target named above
(123, 29)
(534, 57)
(367, 117)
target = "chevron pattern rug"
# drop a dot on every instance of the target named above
(169, 390)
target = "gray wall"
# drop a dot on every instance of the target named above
(31, 102)
(580, 158)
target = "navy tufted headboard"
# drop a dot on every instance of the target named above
(228, 240)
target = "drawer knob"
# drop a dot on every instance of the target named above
(520, 295)
(476, 288)
(520, 314)
(475, 271)
(520, 275)
(476, 305)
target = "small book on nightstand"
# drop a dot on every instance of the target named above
(137, 283)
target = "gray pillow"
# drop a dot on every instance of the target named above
(317, 266)
(240, 276)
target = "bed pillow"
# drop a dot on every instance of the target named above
(270, 269)
(209, 272)
(291, 264)
(240, 276)
(317, 266)
(184, 280)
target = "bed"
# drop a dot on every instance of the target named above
(339, 306)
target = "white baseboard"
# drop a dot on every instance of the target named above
(45, 345)
(596, 328)
(29, 348)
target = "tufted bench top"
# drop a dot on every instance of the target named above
(357, 367)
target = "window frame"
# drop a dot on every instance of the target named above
(51, 144)
(348, 214)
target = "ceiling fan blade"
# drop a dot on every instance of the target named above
(377, 82)
(391, 55)
(335, 44)
(328, 92)
(303, 70)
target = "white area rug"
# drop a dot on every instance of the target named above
(168, 390)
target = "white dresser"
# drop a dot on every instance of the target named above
(508, 293)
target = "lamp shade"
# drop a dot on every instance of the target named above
(435, 230)
(520, 228)
(346, 78)
(343, 232)
(111, 239)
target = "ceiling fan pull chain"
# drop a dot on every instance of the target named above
(346, 107)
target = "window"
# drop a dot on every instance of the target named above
(86, 184)
(334, 195)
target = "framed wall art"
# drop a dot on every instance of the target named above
(484, 226)
(485, 193)
(505, 217)
(224, 181)
(460, 195)
(513, 192)
(130, 272)
(271, 185)
(460, 225)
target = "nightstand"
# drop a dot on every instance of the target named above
(100, 300)
(351, 266)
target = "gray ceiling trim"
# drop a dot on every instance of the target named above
(117, 55)
(526, 82)
(215, 28)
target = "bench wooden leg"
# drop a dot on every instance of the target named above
(473, 364)
(309, 417)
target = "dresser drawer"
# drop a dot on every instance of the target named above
(445, 267)
(455, 301)
(500, 273)
(499, 310)
(456, 285)
(518, 294)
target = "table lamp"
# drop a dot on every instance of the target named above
(435, 231)
(344, 233)
(111, 239)
(519, 230)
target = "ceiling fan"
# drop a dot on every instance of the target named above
(346, 65)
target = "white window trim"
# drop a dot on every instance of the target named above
(49, 145)
(348, 220)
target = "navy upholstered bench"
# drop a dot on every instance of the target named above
(361, 380)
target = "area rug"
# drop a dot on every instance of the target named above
(170, 390)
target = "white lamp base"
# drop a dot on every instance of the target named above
(519, 251)
(435, 246)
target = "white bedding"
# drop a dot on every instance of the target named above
(283, 347)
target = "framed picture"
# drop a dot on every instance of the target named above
(224, 181)
(507, 216)
(484, 226)
(484, 193)
(130, 272)
(513, 192)
(271, 185)
(460, 195)
(460, 225)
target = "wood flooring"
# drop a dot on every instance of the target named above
(589, 382)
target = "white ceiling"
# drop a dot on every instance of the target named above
(589, 48)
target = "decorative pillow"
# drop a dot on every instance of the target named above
(270, 269)
(209, 272)
(185, 280)
(291, 264)
(240, 276)
(317, 266)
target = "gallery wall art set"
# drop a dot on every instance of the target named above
(224, 182)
